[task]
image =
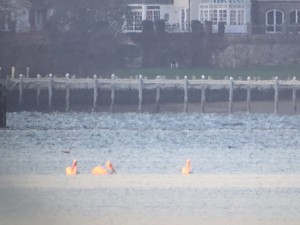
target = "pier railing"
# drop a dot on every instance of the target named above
(139, 83)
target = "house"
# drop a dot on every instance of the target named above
(178, 14)
(23, 15)
(238, 16)
(276, 16)
(175, 13)
(235, 14)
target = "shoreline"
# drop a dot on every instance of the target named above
(285, 107)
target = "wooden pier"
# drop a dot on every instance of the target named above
(68, 84)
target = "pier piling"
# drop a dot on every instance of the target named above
(186, 99)
(113, 89)
(140, 93)
(38, 91)
(203, 97)
(276, 96)
(27, 72)
(248, 96)
(21, 90)
(230, 94)
(2, 106)
(67, 93)
(50, 91)
(95, 92)
(157, 100)
(294, 97)
(13, 70)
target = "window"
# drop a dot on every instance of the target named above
(222, 16)
(295, 20)
(214, 16)
(203, 13)
(137, 20)
(231, 12)
(184, 19)
(295, 17)
(232, 17)
(274, 21)
(240, 17)
(134, 20)
(153, 13)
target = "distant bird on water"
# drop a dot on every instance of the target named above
(67, 150)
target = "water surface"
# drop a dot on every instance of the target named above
(246, 169)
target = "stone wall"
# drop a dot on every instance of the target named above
(256, 50)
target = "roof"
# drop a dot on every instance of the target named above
(226, 1)
(150, 1)
(285, 1)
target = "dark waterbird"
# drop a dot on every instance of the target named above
(67, 151)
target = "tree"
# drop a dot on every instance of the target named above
(10, 10)
(14, 4)
(85, 33)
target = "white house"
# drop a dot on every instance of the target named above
(236, 14)
(175, 13)
(178, 14)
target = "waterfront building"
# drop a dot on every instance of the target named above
(237, 16)
(276, 16)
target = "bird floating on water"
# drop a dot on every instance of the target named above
(68, 150)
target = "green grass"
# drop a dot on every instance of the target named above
(283, 72)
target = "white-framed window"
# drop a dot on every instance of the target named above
(153, 13)
(213, 16)
(134, 19)
(222, 15)
(232, 12)
(295, 20)
(274, 21)
(203, 13)
(184, 19)
(233, 17)
(240, 17)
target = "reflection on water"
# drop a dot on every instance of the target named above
(150, 143)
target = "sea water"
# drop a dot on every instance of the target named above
(150, 143)
(148, 152)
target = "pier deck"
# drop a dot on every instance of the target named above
(139, 83)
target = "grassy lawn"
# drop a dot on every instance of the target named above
(283, 72)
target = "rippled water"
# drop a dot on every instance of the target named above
(150, 143)
(246, 169)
